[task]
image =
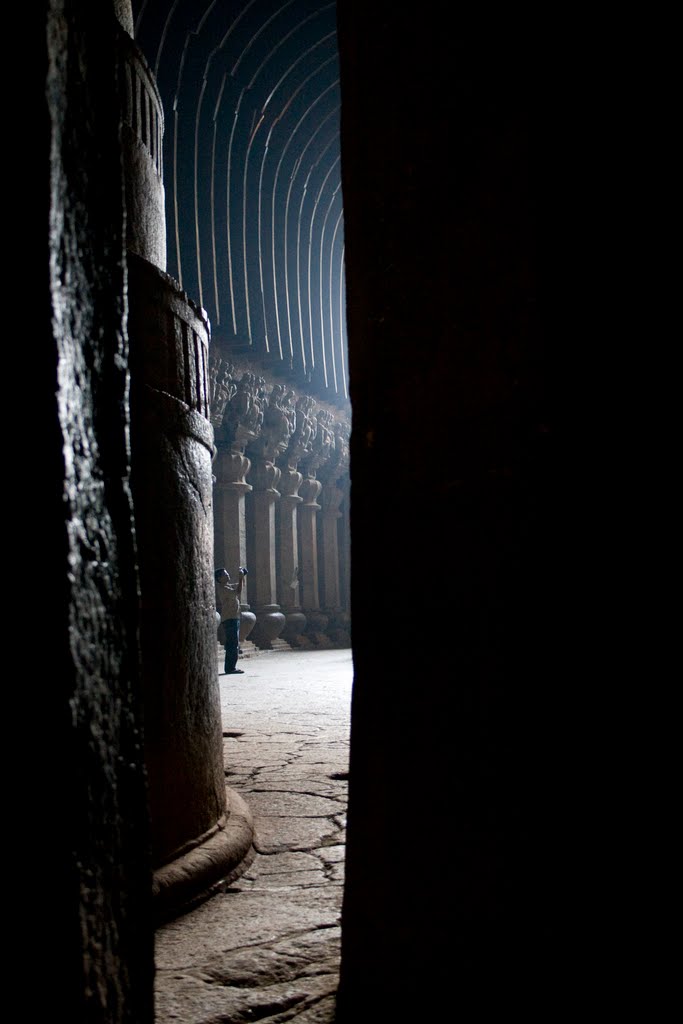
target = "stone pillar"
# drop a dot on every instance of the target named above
(345, 551)
(316, 621)
(334, 474)
(321, 449)
(331, 500)
(142, 131)
(201, 831)
(454, 346)
(86, 827)
(237, 413)
(230, 537)
(339, 624)
(270, 621)
(288, 556)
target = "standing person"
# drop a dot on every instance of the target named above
(228, 605)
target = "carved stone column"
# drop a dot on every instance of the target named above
(288, 556)
(308, 536)
(336, 543)
(237, 415)
(142, 131)
(230, 540)
(201, 830)
(321, 448)
(299, 446)
(270, 621)
(335, 481)
(344, 539)
(331, 500)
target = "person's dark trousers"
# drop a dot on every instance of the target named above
(231, 640)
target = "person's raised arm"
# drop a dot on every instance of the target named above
(243, 573)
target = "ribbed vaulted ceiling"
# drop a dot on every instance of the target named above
(255, 230)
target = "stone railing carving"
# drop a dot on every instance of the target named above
(175, 362)
(143, 109)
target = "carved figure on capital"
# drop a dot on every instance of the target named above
(274, 433)
(222, 388)
(289, 407)
(243, 417)
(322, 444)
(343, 444)
(301, 437)
(338, 462)
(277, 423)
(260, 402)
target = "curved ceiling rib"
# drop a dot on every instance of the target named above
(253, 182)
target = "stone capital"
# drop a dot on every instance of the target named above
(309, 489)
(332, 497)
(290, 481)
(232, 468)
(265, 476)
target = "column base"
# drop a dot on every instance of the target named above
(339, 628)
(208, 867)
(315, 634)
(269, 624)
(247, 623)
(295, 626)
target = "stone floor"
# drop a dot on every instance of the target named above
(267, 948)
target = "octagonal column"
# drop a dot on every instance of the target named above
(270, 621)
(339, 621)
(335, 579)
(230, 539)
(308, 538)
(331, 500)
(288, 557)
(344, 541)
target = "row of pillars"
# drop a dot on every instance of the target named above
(291, 531)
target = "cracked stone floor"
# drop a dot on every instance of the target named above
(267, 948)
